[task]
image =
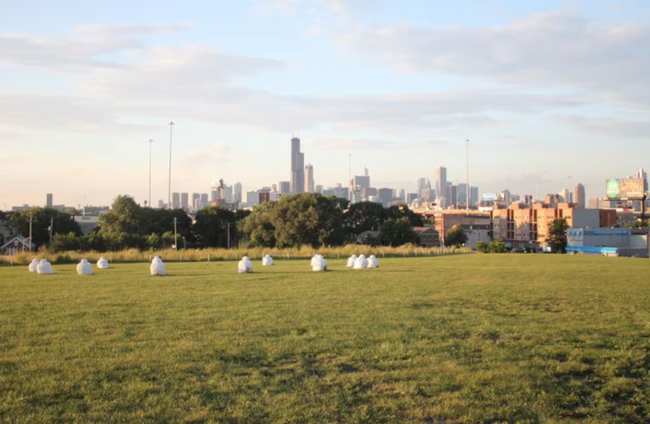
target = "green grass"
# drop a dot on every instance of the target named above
(469, 338)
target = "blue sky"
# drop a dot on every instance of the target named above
(559, 88)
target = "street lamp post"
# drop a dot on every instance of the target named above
(150, 143)
(469, 191)
(169, 191)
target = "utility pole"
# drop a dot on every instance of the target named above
(169, 191)
(228, 235)
(175, 235)
(150, 143)
(469, 190)
(31, 219)
(350, 188)
(51, 229)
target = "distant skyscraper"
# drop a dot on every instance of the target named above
(196, 201)
(176, 200)
(385, 196)
(441, 181)
(213, 195)
(284, 187)
(453, 200)
(309, 178)
(473, 201)
(462, 194)
(49, 201)
(319, 189)
(226, 194)
(185, 202)
(297, 167)
(410, 197)
(564, 196)
(237, 194)
(402, 195)
(252, 198)
(506, 198)
(579, 196)
(642, 174)
(161, 204)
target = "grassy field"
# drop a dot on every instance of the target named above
(468, 338)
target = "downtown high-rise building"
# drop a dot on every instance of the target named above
(473, 199)
(176, 200)
(462, 194)
(196, 201)
(49, 200)
(284, 187)
(579, 196)
(441, 181)
(185, 201)
(309, 178)
(237, 193)
(297, 167)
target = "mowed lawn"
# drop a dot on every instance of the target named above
(472, 338)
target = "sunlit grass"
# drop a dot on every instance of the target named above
(467, 338)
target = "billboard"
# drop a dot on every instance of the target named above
(625, 189)
(490, 197)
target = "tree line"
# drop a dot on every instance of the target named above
(301, 219)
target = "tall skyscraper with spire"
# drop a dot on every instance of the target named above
(297, 167)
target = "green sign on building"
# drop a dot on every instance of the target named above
(613, 189)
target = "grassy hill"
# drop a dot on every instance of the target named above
(470, 338)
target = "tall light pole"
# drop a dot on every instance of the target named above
(150, 143)
(169, 191)
(469, 190)
(350, 189)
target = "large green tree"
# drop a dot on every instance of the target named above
(363, 216)
(307, 219)
(41, 220)
(403, 211)
(123, 217)
(257, 228)
(455, 236)
(396, 232)
(557, 237)
(211, 227)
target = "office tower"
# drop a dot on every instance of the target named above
(196, 201)
(297, 167)
(309, 178)
(579, 196)
(161, 204)
(462, 194)
(284, 187)
(564, 196)
(226, 194)
(441, 181)
(185, 203)
(176, 200)
(237, 195)
(506, 198)
(473, 197)
(319, 189)
(411, 197)
(252, 198)
(49, 201)
(204, 200)
(213, 196)
(385, 196)
(642, 174)
(453, 199)
(402, 195)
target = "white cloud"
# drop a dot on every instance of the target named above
(546, 50)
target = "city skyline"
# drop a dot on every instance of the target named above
(400, 87)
